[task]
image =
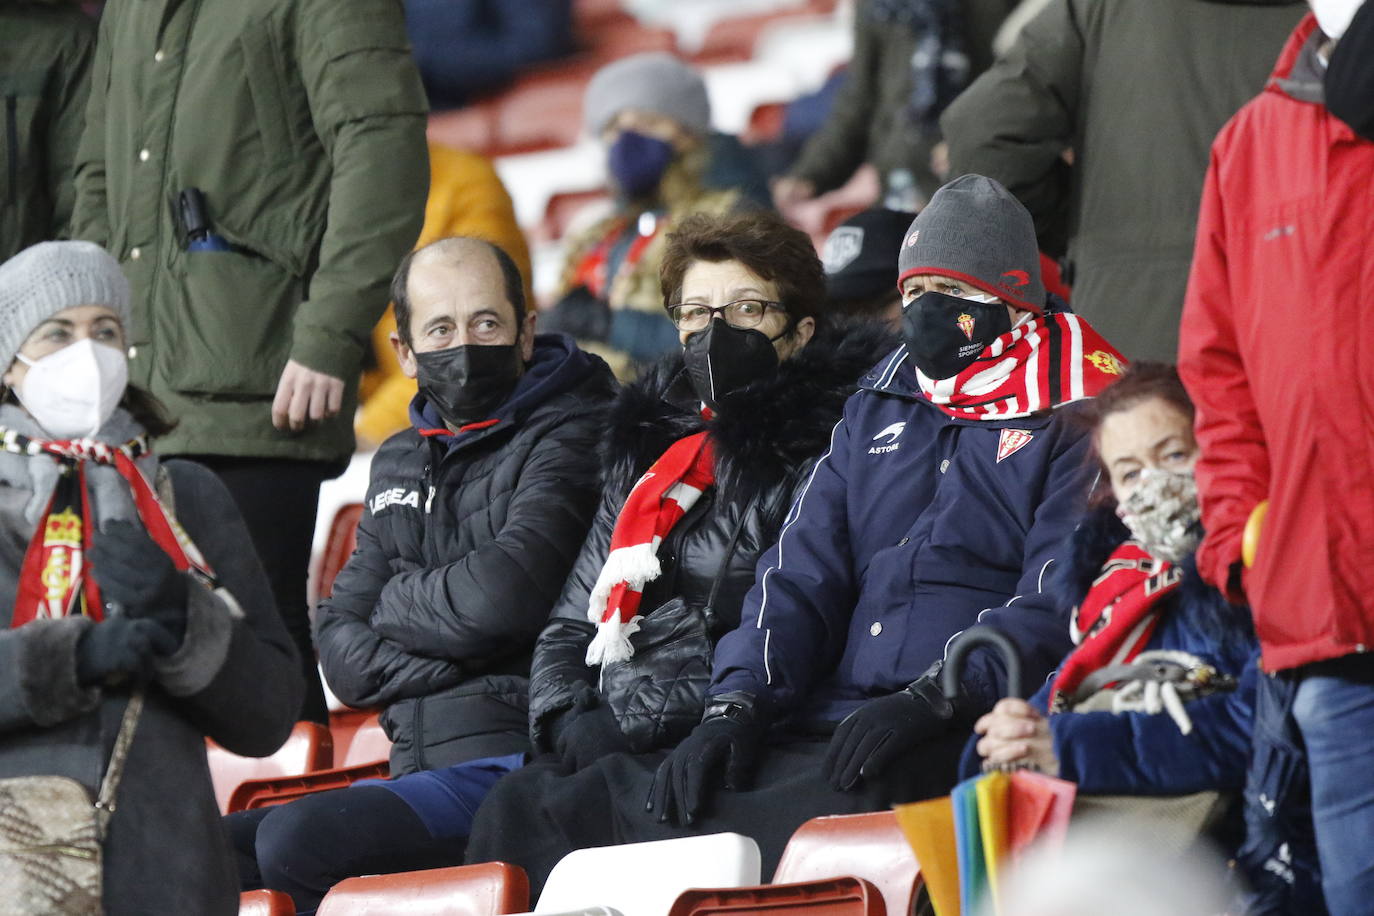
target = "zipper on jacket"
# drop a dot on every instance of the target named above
(12, 147)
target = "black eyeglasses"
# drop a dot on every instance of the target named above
(742, 313)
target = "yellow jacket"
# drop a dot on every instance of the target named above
(466, 197)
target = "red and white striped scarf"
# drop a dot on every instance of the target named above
(1116, 618)
(1047, 361)
(54, 580)
(656, 503)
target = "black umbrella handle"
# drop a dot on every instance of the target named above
(967, 642)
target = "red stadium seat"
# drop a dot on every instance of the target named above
(309, 747)
(266, 903)
(542, 110)
(366, 758)
(826, 897)
(732, 40)
(869, 846)
(765, 123)
(489, 889)
(338, 546)
(562, 208)
(472, 127)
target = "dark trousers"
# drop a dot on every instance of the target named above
(537, 815)
(306, 847)
(278, 500)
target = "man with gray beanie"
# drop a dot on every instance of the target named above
(652, 115)
(938, 510)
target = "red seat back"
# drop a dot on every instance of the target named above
(869, 846)
(489, 889)
(338, 546)
(266, 903)
(827, 897)
(309, 747)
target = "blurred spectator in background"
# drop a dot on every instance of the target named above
(125, 581)
(858, 258)
(1136, 89)
(466, 198)
(466, 47)
(911, 58)
(259, 198)
(745, 293)
(1158, 696)
(1276, 350)
(652, 114)
(45, 55)
(474, 516)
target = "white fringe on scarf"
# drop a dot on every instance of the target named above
(636, 566)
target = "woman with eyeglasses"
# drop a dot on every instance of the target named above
(701, 457)
(135, 605)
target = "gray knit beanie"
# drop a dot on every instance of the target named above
(46, 278)
(653, 81)
(974, 230)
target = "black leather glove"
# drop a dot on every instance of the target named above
(120, 648)
(722, 750)
(881, 730)
(136, 574)
(587, 731)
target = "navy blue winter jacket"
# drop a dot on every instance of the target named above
(1135, 753)
(912, 527)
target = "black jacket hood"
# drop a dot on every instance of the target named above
(760, 431)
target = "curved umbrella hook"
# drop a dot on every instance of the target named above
(971, 639)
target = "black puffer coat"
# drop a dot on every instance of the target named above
(462, 552)
(765, 436)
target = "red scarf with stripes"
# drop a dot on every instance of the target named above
(54, 580)
(1047, 361)
(1116, 618)
(658, 501)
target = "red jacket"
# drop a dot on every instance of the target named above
(1277, 350)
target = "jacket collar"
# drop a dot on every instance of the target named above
(1298, 73)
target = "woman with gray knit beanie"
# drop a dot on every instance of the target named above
(128, 582)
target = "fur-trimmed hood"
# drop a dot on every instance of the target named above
(1208, 611)
(762, 432)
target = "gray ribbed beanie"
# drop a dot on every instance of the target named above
(44, 279)
(653, 81)
(974, 230)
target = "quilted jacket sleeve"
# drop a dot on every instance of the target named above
(1233, 466)
(363, 668)
(492, 602)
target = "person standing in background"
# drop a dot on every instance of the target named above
(1136, 89)
(258, 168)
(45, 57)
(1275, 349)
(911, 57)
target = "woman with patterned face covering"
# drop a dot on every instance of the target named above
(1157, 697)
(129, 582)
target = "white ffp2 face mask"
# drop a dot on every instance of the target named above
(1333, 16)
(71, 393)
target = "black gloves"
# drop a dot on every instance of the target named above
(134, 572)
(726, 744)
(881, 730)
(121, 647)
(587, 731)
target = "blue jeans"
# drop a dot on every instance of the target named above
(1310, 792)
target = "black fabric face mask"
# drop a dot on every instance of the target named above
(467, 383)
(721, 359)
(1349, 82)
(945, 334)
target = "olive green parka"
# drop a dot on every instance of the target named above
(303, 123)
(45, 60)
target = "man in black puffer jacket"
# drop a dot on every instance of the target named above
(474, 517)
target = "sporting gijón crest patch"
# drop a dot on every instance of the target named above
(1011, 442)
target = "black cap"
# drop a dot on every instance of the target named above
(860, 256)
